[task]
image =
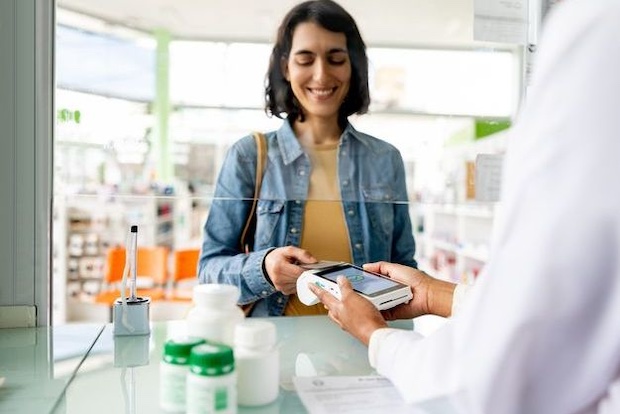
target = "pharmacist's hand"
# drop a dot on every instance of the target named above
(352, 313)
(282, 269)
(430, 295)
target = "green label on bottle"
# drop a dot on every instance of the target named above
(221, 398)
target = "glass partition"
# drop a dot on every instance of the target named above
(114, 144)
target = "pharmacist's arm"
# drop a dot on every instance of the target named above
(430, 295)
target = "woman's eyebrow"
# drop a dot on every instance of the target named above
(337, 50)
(303, 52)
(329, 52)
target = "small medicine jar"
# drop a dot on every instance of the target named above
(173, 371)
(215, 313)
(258, 363)
(212, 380)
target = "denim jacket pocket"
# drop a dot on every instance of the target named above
(378, 193)
(379, 200)
(268, 213)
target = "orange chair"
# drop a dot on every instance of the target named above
(184, 270)
(152, 266)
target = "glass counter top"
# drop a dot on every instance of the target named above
(37, 364)
(122, 374)
(83, 368)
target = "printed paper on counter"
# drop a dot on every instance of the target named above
(365, 394)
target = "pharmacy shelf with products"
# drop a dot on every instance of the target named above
(453, 239)
(452, 227)
(81, 228)
(85, 227)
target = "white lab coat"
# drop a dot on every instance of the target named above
(540, 331)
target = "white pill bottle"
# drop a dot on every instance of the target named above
(215, 313)
(257, 363)
(173, 371)
(212, 380)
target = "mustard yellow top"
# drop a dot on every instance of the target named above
(324, 231)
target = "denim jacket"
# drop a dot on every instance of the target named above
(374, 199)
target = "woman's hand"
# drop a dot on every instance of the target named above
(282, 269)
(352, 313)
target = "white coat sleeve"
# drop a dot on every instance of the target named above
(540, 331)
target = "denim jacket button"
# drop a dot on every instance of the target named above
(264, 293)
(302, 172)
(345, 183)
(280, 300)
(358, 246)
(297, 202)
(351, 212)
(293, 230)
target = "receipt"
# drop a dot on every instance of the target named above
(362, 394)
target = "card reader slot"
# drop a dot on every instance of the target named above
(392, 300)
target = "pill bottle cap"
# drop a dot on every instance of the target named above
(211, 360)
(177, 350)
(212, 294)
(255, 334)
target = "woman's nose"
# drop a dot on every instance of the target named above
(321, 70)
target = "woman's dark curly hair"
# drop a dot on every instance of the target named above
(279, 97)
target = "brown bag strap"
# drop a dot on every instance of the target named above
(261, 161)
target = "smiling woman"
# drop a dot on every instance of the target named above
(328, 192)
(330, 48)
(319, 71)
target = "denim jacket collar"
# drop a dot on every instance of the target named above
(291, 149)
(289, 145)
